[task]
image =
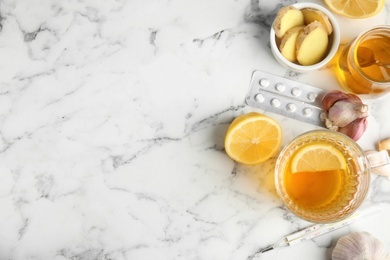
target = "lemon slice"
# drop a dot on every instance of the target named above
(253, 138)
(355, 8)
(317, 157)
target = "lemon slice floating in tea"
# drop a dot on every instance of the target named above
(318, 157)
(355, 8)
(253, 138)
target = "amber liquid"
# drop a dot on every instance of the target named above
(324, 191)
(358, 74)
(311, 189)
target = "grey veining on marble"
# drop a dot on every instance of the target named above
(112, 122)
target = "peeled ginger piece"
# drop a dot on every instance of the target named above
(310, 15)
(312, 44)
(288, 43)
(287, 18)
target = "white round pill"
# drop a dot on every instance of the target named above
(280, 87)
(296, 92)
(259, 98)
(312, 96)
(264, 82)
(275, 102)
(291, 107)
(307, 112)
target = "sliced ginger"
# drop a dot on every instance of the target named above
(310, 15)
(307, 45)
(288, 43)
(312, 44)
(287, 18)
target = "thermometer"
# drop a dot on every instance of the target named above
(318, 230)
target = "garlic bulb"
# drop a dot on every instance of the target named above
(359, 246)
(345, 113)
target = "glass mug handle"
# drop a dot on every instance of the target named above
(379, 162)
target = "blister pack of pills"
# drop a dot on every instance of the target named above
(285, 97)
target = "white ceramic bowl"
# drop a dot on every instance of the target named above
(334, 41)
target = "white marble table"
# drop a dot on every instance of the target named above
(112, 120)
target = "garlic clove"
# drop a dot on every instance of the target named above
(379, 162)
(355, 129)
(345, 113)
(359, 245)
(384, 144)
(333, 96)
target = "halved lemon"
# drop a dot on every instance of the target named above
(317, 157)
(253, 138)
(355, 8)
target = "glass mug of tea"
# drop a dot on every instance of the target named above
(363, 66)
(322, 176)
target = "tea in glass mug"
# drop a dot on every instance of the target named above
(363, 66)
(322, 176)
